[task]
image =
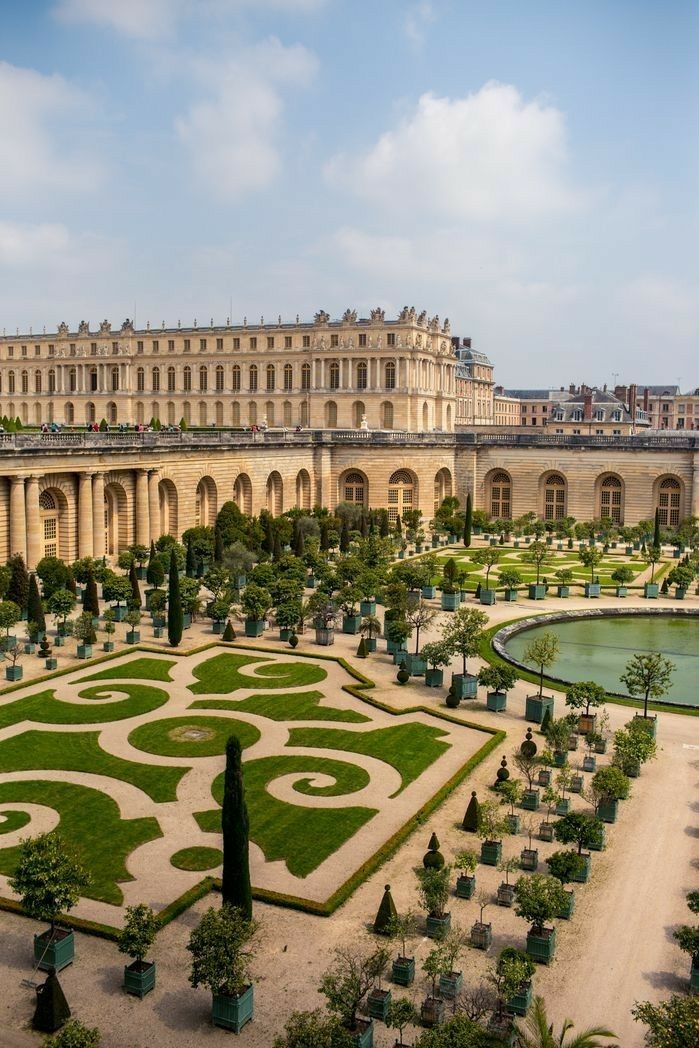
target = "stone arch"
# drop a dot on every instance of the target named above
(387, 415)
(269, 412)
(187, 413)
(498, 487)
(668, 499)
(353, 486)
(54, 523)
(140, 413)
(111, 413)
(116, 521)
(242, 493)
(358, 409)
(554, 495)
(330, 414)
(205, 502)
(171, 419)
(90, 412)
(275, 493)
(68, 412)
(155, 411)
(235, 413)
(402, 493)
(609, 497)
(203, 413)
(287, 415)
(303, 489)
(37, 414)
(303, 413)
(425, 416)
(443, 486)
(218, 413)
(448, 418)
(168, 503)
(24, 413)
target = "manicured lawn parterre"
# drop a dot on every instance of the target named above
(45, 708)
(221, 674)
(197, 858)
(192, 736)
(13, 820)
(285, 706)
(136, 669)
(301, 837)
(558, 559)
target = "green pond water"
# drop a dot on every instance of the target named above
(598, 649)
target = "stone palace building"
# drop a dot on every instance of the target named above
(358, 410)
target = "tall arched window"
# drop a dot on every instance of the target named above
(362, 373)
(387, 415)
(218, 408)
(115, 380)
(235, 413)
(69, 413)
(353, 488)
(52, 381)
(401, 493)
(93, 384)
(252, 377)
(187, 379)
(252, 413)
(155, 380)
(203, 418)
(390, 375)
(48, 512)
(219, 379)
(235, 378)
(287, 413)
(11, 381)
(25, 381)
(334, 374)
(288, 376)
(611, 499)
(554, 497)
(203, 378)
(111, 413)
(501, 496)
(140, 380)
(275, 493)
(330, 414)
(271, 377)
(269, 412)
(305, 376)
(37, 382)
(669, 503)
(171, 379)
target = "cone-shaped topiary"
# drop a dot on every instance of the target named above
(546, 721)
(229, 632)
(51, 1006)
(478, 590)
(433, 858)
(361, 649)
(190, 567)
(386, 912)
(18, 586)
(91, 601)
(135, 588)
(235, 880)
(470, 823)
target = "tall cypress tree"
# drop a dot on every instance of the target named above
(218, 545)
(344, 536)
(468, 520)
(91, 602)
(35, 609)
(135, 588)
(174, 603)
(656, 529)
(190, 565)
(18, 588)
(235, 882)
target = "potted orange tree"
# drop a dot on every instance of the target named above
(433, 889)
(346, 984)
(499, 680)
(135, 941)
(539, 898)
(222, 948)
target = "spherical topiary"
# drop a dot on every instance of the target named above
(503, 773)
(433, 858)
(293, 640)
(528, 747)
(452, 699)
(403, 676)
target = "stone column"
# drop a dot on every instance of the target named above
(142, 517)
(33, 523)
(98, 514)
(18, 518)
(85, 546)
(154, 504)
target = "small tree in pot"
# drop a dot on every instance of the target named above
(687, 938)
(499, 680)
(482, 933)
(511, 794)
(529, 857)
(564, 577)
(528, 764)
(466, 861)
(551, 798)
(591, 558)
(452, 945)
(436, 656)
(487, 558)
(582, 829)
(255, 603)
(462, 636)
(222, 948)
(537, 554)
(433, 890)
(346, 984)
(511, 977)
(541, 653)
(60, 604)
(84, 631)
(506, 891)
(10, 614)
(608, 786)
(583, 696)
(401, 928)
(49, 880)
(510, 578)
(434, 966)
(558, 733)
(136, 940)
(648, 675)
(401, 1014)
(622, 576)
(370, 630)
(566, 866)
(538, 899)
(492, 827)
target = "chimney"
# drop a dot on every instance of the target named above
(571, 388)
(646, 399)
(633, 397)
(455, 341)
(467, 343)
(587, 407)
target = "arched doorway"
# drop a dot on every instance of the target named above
(610, 503)
(555, 490)
(668, 502)
(500, 495)
(242, 493)
(442, 486)
(303, 489)
(358, 411)
(330, 414)
(402, 493)
(167, 496)
(425, 417)
(275, 493)
(116, 525)
(353, 487)
(205, 503)
(387, 415)
(53, 515)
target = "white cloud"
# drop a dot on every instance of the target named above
(150, 19)
(417, 19)
(487, 157)
(36, 150)
(31, 245)
(233, 136)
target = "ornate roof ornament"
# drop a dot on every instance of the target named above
(84, 327)
(378, 315)
(105, 328)
(63, 328)
(349, 316)
(321, 317)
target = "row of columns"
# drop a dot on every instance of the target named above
(25, 514)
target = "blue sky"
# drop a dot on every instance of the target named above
(527, 169)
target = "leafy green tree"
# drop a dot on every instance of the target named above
(537, 554)
(652, 556)
(539, 898)
(542, 653)
(314, 1030)
(60, 604)
(487, 558)
(35, 609)
(54, 575)
(672, 1023)
(18, 588)
(174, 604)
(578, 827)
(91, 601)
(463, 632)
(116, 589)
(458, 1032)
(565, 865)
(84, 630)
(222, 948)
(623, 575)
(74, 1035)
(591, 557)
(537, 1032)
(139, 931)
(498, 678)
(585, 694)
(10, 614)
(47, 878)
(235, 882)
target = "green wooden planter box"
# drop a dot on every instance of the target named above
(600, 842)
(576, 783)
(438, 926)
(511, 595)
(566, 912)
(232, 1013)
(415, 665)
(622, 591)
(429, 592)
(378, 1003)
(584, 875)
(14, 673)
(219, 627)
(513, 822)
(563, 806)
(133, 636)
(85, 651)
(506, 895)
(108, 645)
(531, 800)
(450, 601)
(29, 648)
(694, 977)
(450, 985)
(403, 971)
(311, 582)
(487, 596)
(60, 641)
(57, 955)
(139, 978)
(537, 591)
(351, 624)
(544, 777)
(491, 852)
(649, 723)
(520, 1003)
(158, 632)
(432, 1011)
(254, 627)
(536, 708)
(651, 590)
(608, 810)
(284, 633)
(186, 620)
(370, 643)
(542, 947)
(395, 646)
(592, 589)
(465, 685)
(496, 701)
(481, 935)
(545, 831)
(589, 763)
(120, 612)
(563, 591)
(529, 859)
(434, 678)
(51, 663)
(628, 550)
(325, 637)
(367, 607)
(465, 886)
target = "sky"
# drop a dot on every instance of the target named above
(527, 169)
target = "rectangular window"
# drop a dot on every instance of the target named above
(93, 349)
(362, 340)
(187, 345)
(287, 341)
(599, 432)
(156, 345)
(236, 343)
(390, 339)
(219, 344)
(139, 346)
(616, 432)
(306, 341)
(270, 342)
(334, 341)
(10, 351)
(52, 349)
(202, 345)
(72, 349)
(576, 432)
(253, 342)
(24, 351)
(115, 349)
(171, 345)
(37, 351)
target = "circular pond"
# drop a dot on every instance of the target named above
(598, 648)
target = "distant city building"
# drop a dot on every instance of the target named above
(666, 406)
(474, 385)
(580, 410)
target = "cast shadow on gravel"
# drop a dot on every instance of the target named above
(191, 1013)
(667, 981)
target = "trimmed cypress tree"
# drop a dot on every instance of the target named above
(470, 823)
(174, 604)
(385, 913)
(229, 632)
(235, 881)
(135, 588)
(18, 589)
(276, 545)
(91, 602)
(218, 545)
(468, 520)
(361, 649)
(344, 536)
(190, 564)
(546, 720)
(656, 528)
(52, 1009)
(35, 609)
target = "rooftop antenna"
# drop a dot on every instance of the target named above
(615, 376)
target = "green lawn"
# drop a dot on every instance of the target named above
(136, 669)
(13, 820)
(289, 706)
(80, 751)
(45, 708)
(409, 748)
(157, 736)
(221, 675)
(302, 837)
(82, 811)
(197, 858)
